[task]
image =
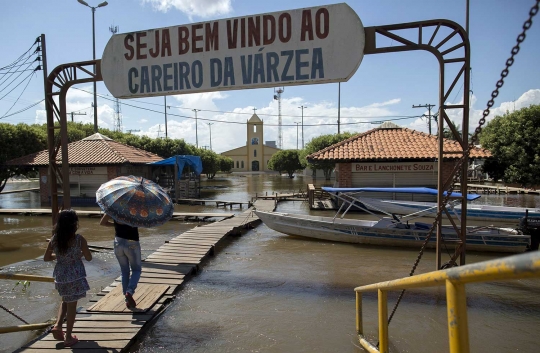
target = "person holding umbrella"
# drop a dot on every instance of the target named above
(132, 202)
(128, 253)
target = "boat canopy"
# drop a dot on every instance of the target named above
(417, 190)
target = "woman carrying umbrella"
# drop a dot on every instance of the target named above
(128, 253)
(132, 202)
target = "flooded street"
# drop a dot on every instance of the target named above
(269, 292)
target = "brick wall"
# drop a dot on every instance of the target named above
(112, 172)
(344, 177)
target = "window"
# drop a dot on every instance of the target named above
(254, 128)
(236, 164)
(242, 164)
(254, 140)
(254, 153)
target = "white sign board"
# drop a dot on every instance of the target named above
(304, 46)
(397, 167)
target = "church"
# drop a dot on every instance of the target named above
(254, 156)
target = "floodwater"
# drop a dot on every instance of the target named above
(269, 292)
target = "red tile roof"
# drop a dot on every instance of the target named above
(391, 144)
(95, 149)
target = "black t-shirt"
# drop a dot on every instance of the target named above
(126, 232)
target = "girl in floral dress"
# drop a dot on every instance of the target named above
(68, 248)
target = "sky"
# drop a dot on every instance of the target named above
(383, 88)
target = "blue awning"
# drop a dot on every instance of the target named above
(417, 190)
(194, 162)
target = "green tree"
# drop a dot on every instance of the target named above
(17, 141)
(226, 164)
(286, 160)
(210, 162)
(514, 142)
(317, 144)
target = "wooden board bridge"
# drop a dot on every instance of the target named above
(497, 189)
(107, 326)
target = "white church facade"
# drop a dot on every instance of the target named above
(254, 156)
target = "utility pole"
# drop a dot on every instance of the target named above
(338, 107)
(196, 133)
(75, 113)
(166, 135)
(302, 107)
(429, 106)
(210, 127)
(277, 96)
(159, 130)
(296, 134)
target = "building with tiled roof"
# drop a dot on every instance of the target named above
(391, 157)
(93, 161)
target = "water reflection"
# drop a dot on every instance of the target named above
(266, 291)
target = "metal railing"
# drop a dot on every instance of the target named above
(27, 327)
(512, 267)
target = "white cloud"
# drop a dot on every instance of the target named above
(143, 121)
(200, 8)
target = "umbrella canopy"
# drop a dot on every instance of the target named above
(135, 201)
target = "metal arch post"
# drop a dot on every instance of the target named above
(63, 77)
(434, 45)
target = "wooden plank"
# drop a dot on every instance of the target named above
(166, 261)
(96, 316)
(145, 296)
(132, 329)
(173, 256)
(115, 344)
(99, 336)
(185, 269)
(109, 325)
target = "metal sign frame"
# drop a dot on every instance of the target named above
(64, 76)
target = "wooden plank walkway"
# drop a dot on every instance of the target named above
(218, 203)
(170, 265)
(90, 213)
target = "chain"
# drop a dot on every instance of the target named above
(504, 73)
(12, 313)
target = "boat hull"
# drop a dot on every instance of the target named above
(377, 233)
(487, 213)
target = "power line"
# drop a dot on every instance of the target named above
(19, 95)
(22, 110)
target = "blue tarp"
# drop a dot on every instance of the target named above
(194, 162)
(419, 190)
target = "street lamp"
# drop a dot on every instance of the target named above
(302, 107)
(104, 3)
(210, 127)
(296, 134)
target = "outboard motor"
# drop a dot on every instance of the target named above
(531, 226)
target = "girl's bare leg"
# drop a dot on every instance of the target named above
(71, 312)
(61, 315)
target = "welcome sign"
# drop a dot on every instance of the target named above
(304, 46)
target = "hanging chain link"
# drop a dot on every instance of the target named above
(504, 73)
(12, 313)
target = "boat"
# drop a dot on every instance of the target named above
(487, 213)
(391, 230)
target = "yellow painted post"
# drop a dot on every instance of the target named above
(458, 330)
(29, 327)
(383, 321)
(16, 277)
(359, 326)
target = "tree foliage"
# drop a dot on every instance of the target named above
(22, 139)
(17, 141)
(285, 160)
(514, 141)
(320, 143)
